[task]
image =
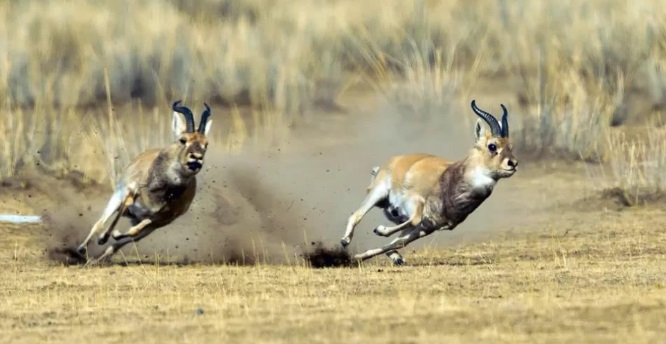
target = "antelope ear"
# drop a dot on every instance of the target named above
(480, 129)
(207, 128)
(178, 125)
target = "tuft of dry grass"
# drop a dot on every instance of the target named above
(635, 170)
(570, 117)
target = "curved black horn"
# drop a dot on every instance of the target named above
(189, 118)
(204, 119)
(505, 121)
(495, 129)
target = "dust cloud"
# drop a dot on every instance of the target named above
(275, 205)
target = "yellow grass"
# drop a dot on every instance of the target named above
(635, 172)
(590, 277)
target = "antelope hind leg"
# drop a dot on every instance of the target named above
(376, 195)
(130, 195)
(112, 206)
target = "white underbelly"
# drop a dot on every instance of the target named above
(402, 204)
(140, 211)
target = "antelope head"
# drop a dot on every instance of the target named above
(492, 150)
(190, 146)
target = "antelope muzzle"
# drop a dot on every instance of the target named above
(195, 161)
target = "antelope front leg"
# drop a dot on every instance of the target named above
(397, 243)
(116, 246)
(132, 232)
(413, 221)
(396, 257)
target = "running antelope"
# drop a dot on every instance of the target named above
(158, 186)
(423, 193)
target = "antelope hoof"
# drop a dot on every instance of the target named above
(102, 239)
(345, 241)
(81, 250)
(117, 235)
(379, 230)
(398, 261)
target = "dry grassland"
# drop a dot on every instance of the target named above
(595, 277)
(570, 249)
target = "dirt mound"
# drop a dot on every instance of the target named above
(617, 199)
(67, 256)
(323, 257)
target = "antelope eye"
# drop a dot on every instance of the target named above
(492, 147)
(183, 140)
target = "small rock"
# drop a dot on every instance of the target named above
(199, 311)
